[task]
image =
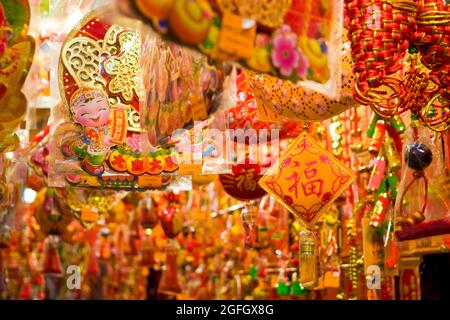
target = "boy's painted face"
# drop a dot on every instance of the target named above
(94, 113)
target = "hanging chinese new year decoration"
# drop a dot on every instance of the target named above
(307, 179)
(172, 223)
(51, 216)
(406, 65)
(99, 76)
(291, 39)
(421, 206)
(242, 183)
(16, 56)
(295, 101)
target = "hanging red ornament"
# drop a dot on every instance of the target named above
(134, 238)
(148, 252)
(2, 273)
(169, 280)
(148, 213)
(171, 221)
(26, 289)
(93, 269)
(242, 183)
(38, 280)
(51, 263)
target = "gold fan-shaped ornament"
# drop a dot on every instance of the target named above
(295, 101)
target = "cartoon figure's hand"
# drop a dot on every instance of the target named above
(107, 141)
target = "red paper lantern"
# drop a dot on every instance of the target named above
(242, 183)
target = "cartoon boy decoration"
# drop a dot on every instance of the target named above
(90, 108)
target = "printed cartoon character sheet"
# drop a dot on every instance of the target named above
(100, 136)
(119, 111)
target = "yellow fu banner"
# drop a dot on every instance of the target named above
(307, 179)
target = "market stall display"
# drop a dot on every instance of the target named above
(226, 149)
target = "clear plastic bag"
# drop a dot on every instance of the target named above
(96, 133)
(295, 40)
(422, 206)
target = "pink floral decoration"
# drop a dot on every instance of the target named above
(285, 54)
(134, 142)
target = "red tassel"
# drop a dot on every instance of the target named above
(51, 261)
(148, 252)
(26, 290)
(148, 213)
(169, 280)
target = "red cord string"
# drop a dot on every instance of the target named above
(380, 32)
